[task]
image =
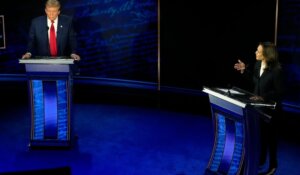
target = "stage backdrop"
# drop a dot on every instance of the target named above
(2, 32)
(175, 43)
(200, 42)
(117, 38)
(289, 47)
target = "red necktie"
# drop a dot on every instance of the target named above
(53, 48)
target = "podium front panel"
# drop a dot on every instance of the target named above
(50, 109)
(229, 132)
(226, 105)
(50, 88)
(47, 68)
(50, 103)
(236, 132)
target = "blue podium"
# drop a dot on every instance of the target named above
(50, 89)
(236, 122)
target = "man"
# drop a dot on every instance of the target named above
(63, 42)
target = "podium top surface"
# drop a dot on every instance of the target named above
(47, 60)
(237, 96)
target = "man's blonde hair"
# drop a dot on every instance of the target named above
(53, 3)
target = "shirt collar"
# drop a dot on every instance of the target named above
(49, 21)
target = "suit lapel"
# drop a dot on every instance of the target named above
(44, 32)
(59, 33)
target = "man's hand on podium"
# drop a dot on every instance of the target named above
(26, 55)
(75, 57)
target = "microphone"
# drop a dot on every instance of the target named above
(228, 89)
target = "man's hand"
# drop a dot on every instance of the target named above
(26, 55)
(75, 57)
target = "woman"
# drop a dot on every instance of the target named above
(267, 82)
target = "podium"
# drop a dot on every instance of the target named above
(50, 89)
(236, 122)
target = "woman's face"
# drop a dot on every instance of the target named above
(259, 53)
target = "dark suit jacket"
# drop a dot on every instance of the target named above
(38, 42)
(269, 84)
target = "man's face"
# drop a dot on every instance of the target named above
(52, 12)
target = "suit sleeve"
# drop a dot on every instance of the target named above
(72, 38)
(277, 92)
(31, 40)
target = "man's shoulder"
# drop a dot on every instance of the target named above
(65, 17)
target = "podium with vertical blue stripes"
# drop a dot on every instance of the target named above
(236, 121)
(50, 89)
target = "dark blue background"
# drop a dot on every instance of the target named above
(189, 45)
(117, 38)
